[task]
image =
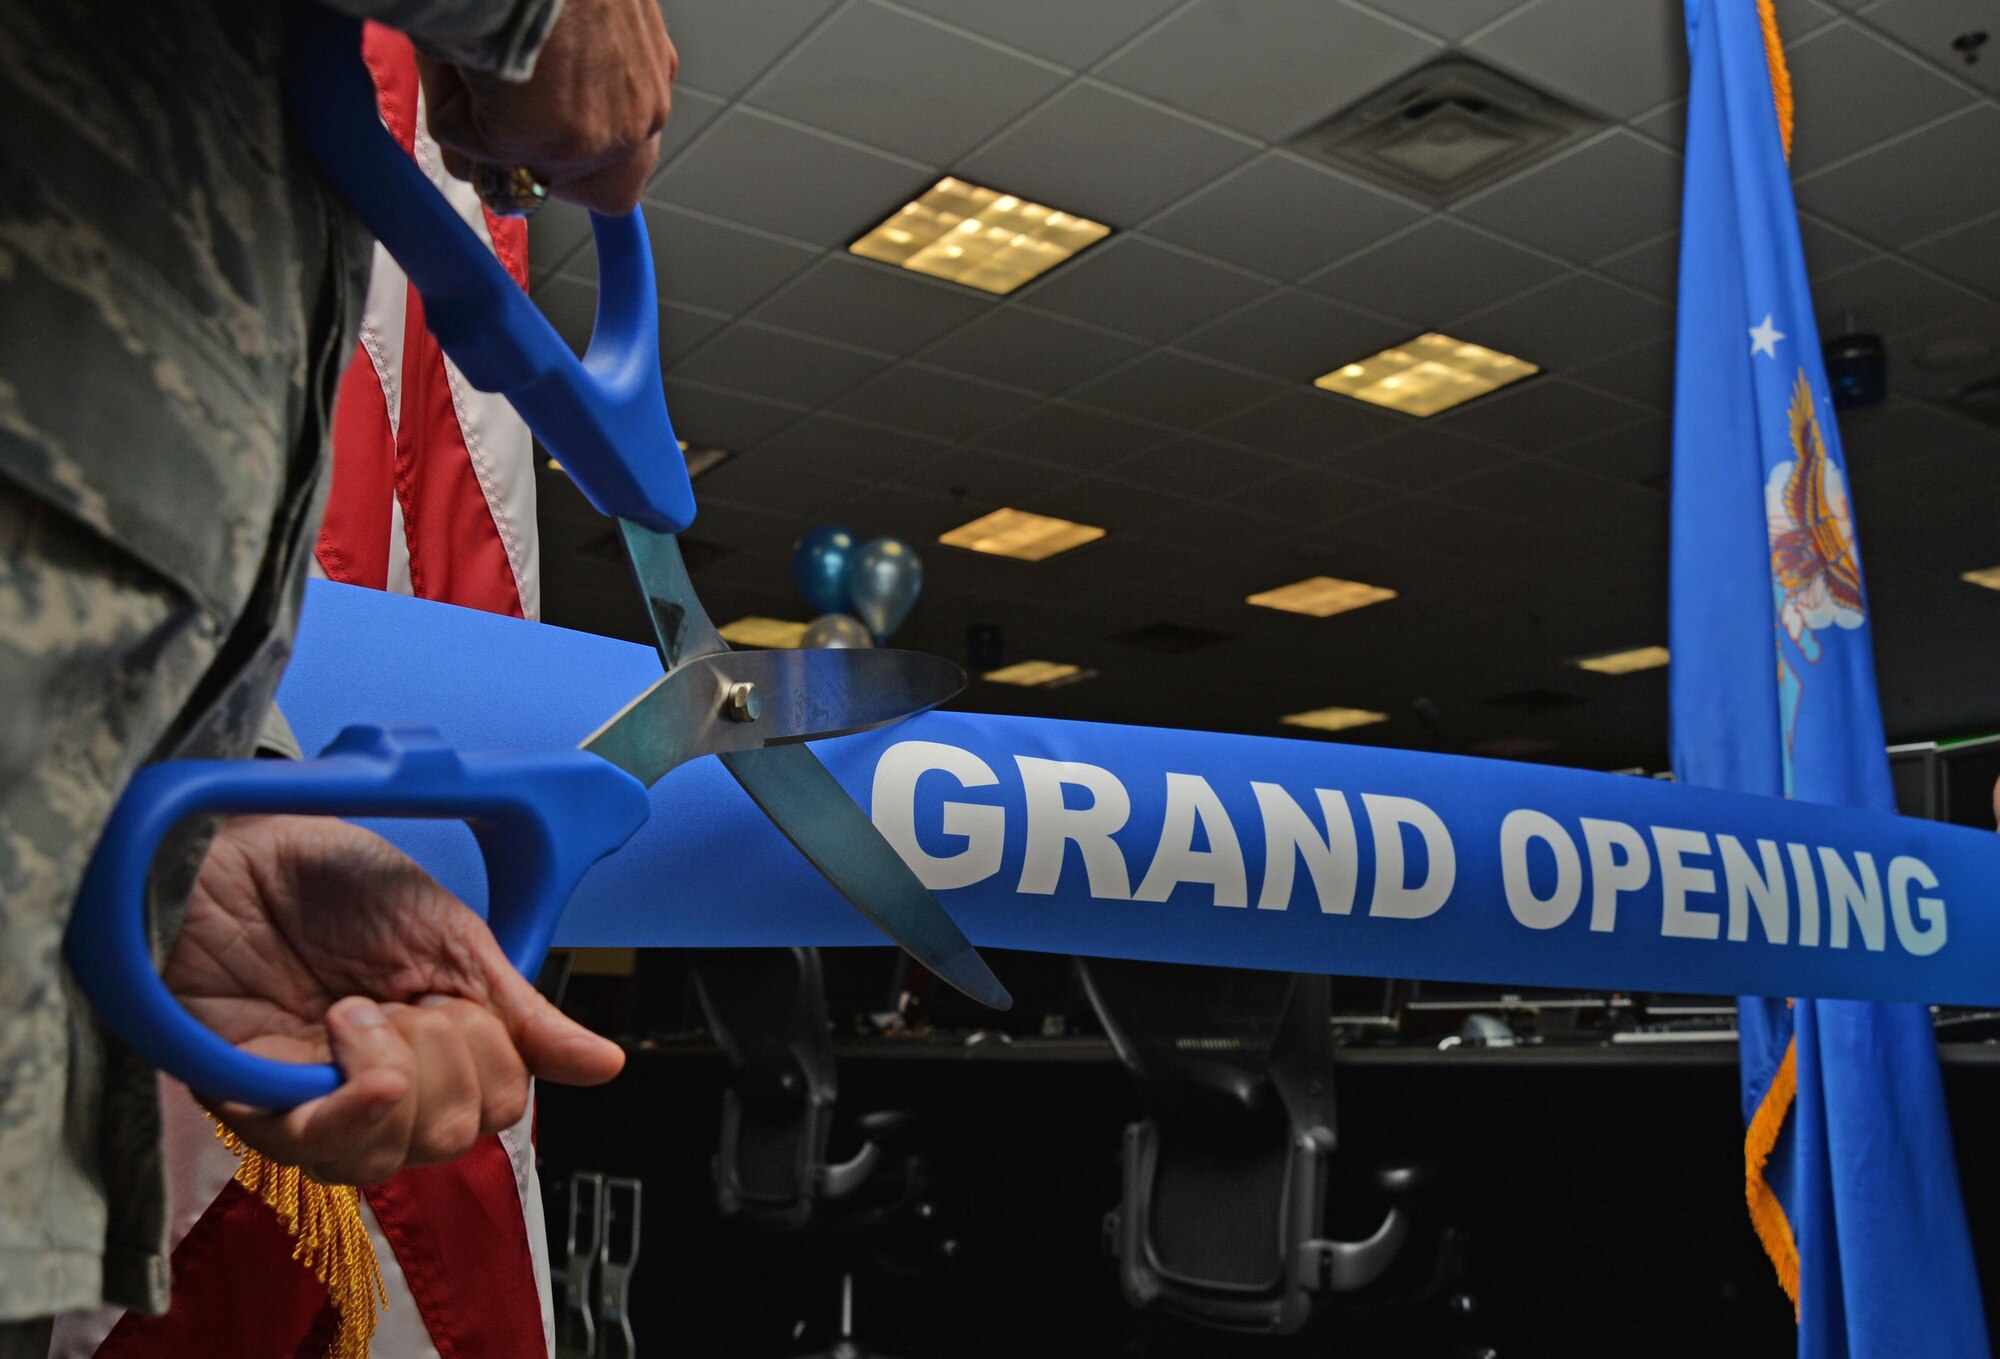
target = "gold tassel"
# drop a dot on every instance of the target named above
(325, 1221)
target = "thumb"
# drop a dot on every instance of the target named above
(554, 1046)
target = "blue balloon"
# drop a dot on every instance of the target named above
(819, 564)
(883, 581)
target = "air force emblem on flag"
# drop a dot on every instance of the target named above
(1814, 574)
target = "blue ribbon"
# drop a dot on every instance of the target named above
(1070, 837)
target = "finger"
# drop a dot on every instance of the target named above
(502, 1075)
(552, 1045)
(448, 1098)
(450, 116)
(615, 189)
(358, 1134)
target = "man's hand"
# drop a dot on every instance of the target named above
(587, 122)
(297, 928)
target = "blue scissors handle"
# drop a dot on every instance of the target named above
(604, 417)
(542, 818)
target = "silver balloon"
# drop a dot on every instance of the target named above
(884, 579)
(831, 630)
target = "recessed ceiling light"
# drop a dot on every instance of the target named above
(773, 633)
(1016, 533)
(1040, 674)
(1321, 596)
(1625, 662)
(1989, 578)
(980, 237)
(1334, 719)
(1429, 374)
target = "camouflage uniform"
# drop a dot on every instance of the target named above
(176, 298)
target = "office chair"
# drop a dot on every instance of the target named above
(767, 1011)
(1223, 1201)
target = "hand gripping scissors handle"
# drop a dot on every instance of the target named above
(541, 818)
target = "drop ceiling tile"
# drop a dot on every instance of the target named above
(1061, 30)
(683, 330)
(1620, 59)
(1452, 19)
(724, 47)
(1111, 505)
(784, 485)
(1198, 468)
(1915, 186)
(1829, 66)
(571, 308)
(1027, 349)
(1307, 425)
(1573, 320)
(1073, 436)
(1798, 19)
(1175, 389)
(1531, 489)
(779, 365)
(1421, 459)
(911, 515)
(1601, 197)
(1929, 26)
(1350, 510)
(847, 448)
(1653, 268)
(692, 111)
(1667, 124)
(903, 83)
(1284, 217)
(1643, 373)
(1970, 255)
(1311, 499)
(1930, 362)
(711, 264)
(1258, 539)
(1295, 336)
(872, 305)
(724, 419)
(1540, 414)
(749, 527)
(1441, 269)
(1102, 154)
(1270, 71)
(558, 232)
(753, 169)
(1143, 289)
(1903, 429)
(1828, 247)
(931, 401)
(980, 477)
(1887, 296)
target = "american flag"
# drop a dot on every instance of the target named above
(433, 495)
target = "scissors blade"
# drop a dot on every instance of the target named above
(799, 696)
(795, 790)
(816, 814)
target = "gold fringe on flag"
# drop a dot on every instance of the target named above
(1781, 74)
(325, 1221)
(1767, 1215)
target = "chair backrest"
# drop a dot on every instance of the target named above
(767, 1011)
(1223, 1180)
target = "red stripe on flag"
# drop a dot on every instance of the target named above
(455, 551)
(237, 1291)
(353, 545)
(459, 1236)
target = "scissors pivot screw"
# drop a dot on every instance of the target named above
(745, 703)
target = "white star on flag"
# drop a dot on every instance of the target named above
(1764, 337)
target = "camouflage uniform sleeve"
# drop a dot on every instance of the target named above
(501, 36)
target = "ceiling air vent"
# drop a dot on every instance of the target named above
(1445, 130)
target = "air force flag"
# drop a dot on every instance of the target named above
(1850, 1173)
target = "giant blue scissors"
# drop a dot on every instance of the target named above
(541, 818)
